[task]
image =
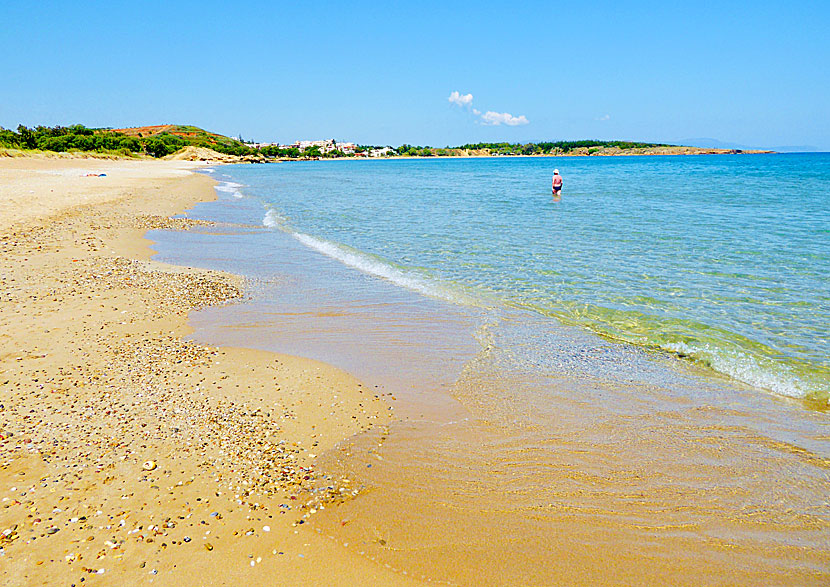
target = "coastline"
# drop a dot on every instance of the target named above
(208, 156)
(604, 152)
(126, 452)
(539, 156)
(580, 152)
(611, 449)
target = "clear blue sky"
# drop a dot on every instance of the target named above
(756, 73)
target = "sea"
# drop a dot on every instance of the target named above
(628, 383)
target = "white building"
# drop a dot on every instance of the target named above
(326, 146)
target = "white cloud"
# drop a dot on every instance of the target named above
(496, 118)
(488, 118)
(461, 99)
(604, 117)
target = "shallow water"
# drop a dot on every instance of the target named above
(530, 450)
(725, 259)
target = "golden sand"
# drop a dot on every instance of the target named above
(127, 454)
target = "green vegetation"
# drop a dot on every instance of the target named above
(167, 140)
(158, 141)
(279, 152)
(67, 138)
(542, 148)
(273, 151)
(197, 137)
(555, 147)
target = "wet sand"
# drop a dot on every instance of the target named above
(129, 455)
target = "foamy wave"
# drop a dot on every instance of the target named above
(272, 219)
(744, 368)
(373, 266)
(230, 187)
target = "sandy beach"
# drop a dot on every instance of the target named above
(129, 455)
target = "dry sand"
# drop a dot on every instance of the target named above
(127, 454)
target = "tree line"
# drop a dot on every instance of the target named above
(554, 147)
(77, 137)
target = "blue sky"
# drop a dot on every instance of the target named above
(754, 73)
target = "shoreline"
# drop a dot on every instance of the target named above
(126, 452)
(596, 443)
(692, 151)
(208, 157)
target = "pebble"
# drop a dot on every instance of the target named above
(88, 418)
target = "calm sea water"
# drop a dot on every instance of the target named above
(724, 259)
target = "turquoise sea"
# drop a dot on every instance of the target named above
(721, 259)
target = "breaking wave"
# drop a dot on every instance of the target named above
(229, 187)
(373, 265)
(272, 219)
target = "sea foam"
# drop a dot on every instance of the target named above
(374, 266)
(744, 368)
(229, 187)
(272, 219)
(356, 259)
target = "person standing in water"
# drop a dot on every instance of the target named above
(557, 182)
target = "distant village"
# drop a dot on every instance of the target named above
(330, 146)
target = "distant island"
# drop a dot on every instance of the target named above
(191, 142)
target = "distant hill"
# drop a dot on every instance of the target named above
(709, 143)
(153, 141)
(191, 136)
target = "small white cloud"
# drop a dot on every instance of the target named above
(488, 118)
(496, 118)
(604, 117)
(461, 99)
